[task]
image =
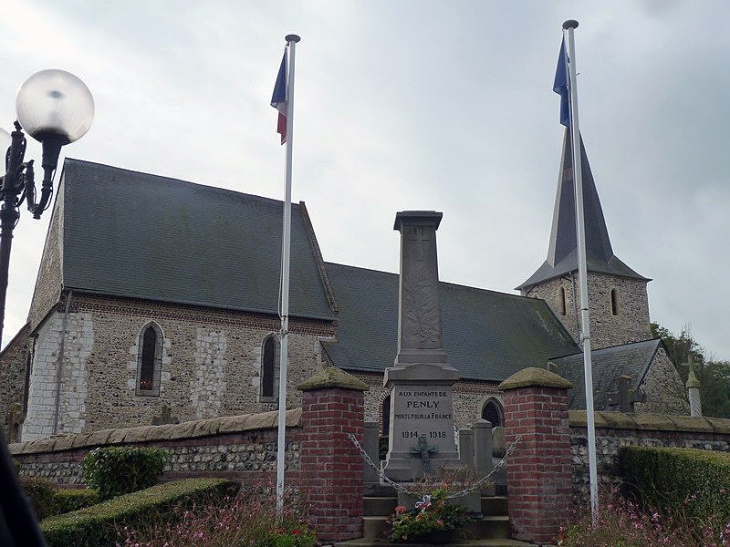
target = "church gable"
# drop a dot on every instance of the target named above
(646, 364)
(49, 281)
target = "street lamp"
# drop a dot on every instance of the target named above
(56, 108)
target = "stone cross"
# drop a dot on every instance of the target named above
(420, 240)
(424, 450)
(625, 397)
(165, 417)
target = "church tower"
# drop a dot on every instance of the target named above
(619, 306)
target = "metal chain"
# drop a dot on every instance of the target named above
(399, 487)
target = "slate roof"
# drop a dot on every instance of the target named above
(135, 235)
(562, 252)
(487, 335)
(608, 364)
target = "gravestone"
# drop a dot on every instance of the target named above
(421, 416)
(165, 417)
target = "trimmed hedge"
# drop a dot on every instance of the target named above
(42, 495)
(99, 525)
(691, 481)
(68, 500)
(114, 471)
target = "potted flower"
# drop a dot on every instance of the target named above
(434, 519)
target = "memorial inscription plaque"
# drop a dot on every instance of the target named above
(422, 411)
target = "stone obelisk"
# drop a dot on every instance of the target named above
(421, 415)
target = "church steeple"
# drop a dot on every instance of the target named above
(618, 302)
(562, 252)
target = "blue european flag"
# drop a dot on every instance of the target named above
(560, 86)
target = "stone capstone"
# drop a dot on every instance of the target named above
(535, 377)
(333, 377)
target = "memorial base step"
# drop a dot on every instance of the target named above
(492, 530)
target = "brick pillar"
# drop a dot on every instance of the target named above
(333, 405)
(539, 471)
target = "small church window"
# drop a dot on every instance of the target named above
(614, 302)
(149, 361)
(269, 369)
(492, 412)
(563, 303)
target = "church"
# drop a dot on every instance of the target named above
(143, 314)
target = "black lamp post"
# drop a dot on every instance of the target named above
(55, 108)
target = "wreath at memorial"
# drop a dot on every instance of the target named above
(434, 519)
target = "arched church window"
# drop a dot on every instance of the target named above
(149, 360)
(269, 369)
(614, 302)
(493, 412)
(563, 303)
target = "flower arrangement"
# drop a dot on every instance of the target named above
(432, 516)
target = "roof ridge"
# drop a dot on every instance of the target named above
(444, 283)
(175, 180)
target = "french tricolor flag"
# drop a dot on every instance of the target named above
(278, 99)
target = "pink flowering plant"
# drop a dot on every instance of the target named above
(433, 513)
(624, 523)
(247, 520)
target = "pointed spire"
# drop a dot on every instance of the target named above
(562, 252)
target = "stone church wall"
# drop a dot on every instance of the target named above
(13, 362)
(211, 364)
(631, 322)
(664, 389)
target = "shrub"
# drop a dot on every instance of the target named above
(114, 471)
(695, 482)
(67, 500)
(100, 525)
(41, 493)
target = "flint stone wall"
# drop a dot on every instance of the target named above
(616, 429)
(211, 364)
(13, 361)
(630, 324)
(237, 447)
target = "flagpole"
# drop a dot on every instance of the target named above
(291, 41)
(568, 27)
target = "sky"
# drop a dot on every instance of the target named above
(407, 105)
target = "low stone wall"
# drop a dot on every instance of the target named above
(616, 429)
(321, 460)
(238, 447)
